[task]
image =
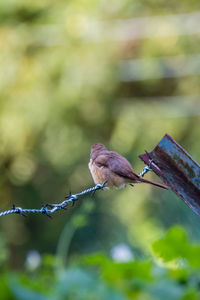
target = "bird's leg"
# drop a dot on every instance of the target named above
(93, 193)
(146, 169)
(99, 187)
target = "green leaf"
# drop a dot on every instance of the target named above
(77, 283)
(175, 245)
(166, 290)
(172, 246)
(24, 293)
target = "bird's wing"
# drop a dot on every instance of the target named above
(102, 160)
(117, 164)
(121, 166)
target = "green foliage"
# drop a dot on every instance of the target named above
(98, 276)
(60, 92)
(181, 248)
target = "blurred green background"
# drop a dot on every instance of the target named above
(73, 73)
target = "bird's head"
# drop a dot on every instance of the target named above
(96, 148)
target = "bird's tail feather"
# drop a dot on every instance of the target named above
(154, 183)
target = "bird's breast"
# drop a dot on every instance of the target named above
(98, 173)
(102, 174)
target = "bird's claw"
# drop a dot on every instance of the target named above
(73, 198)
(99, 186)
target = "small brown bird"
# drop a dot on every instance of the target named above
(114, 169)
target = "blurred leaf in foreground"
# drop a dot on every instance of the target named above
(175, 245)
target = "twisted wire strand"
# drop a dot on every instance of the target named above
(49, 209)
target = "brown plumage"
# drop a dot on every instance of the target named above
(112, 167)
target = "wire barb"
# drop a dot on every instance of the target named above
(19, 210)
(146, 169)
(46, 211)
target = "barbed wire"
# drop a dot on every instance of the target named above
(49, 209)
(145, 170)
